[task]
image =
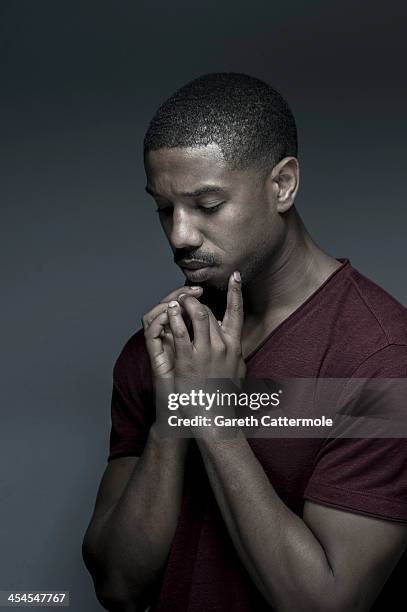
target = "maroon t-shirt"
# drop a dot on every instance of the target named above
(349, 327)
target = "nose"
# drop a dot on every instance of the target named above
(184, 233)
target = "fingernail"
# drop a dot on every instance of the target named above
(173, 304)
(195, 288)
(236, 276)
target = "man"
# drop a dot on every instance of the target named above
(244, 524)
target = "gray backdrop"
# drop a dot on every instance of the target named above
(84, 256)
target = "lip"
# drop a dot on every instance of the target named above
(197, 275)
(193, 265)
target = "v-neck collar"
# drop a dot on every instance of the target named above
(345, 263)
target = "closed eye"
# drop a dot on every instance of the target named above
(207, 210)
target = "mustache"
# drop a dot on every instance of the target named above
(207, 258)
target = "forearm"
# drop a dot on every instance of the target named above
(283, 557)
(134, 538)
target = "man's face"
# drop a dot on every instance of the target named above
(217, 220)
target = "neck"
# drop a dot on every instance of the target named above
(291, 276)
(286, 280)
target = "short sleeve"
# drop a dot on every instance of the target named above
(132, 404)
(365, 475)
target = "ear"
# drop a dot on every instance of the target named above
(284, 179)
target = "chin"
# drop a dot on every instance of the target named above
(216, 284)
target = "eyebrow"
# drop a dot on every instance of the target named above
(191, 194)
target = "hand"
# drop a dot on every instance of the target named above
(158, 336)
(216, 350)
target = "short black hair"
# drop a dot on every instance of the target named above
(249, 120)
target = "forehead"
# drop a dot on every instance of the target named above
(181, 169)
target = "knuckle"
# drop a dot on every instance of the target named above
(147, 325)
(182, 298)
(189, 299)
(172, 295)
(235, 307)
(180, 333)
(202, 314)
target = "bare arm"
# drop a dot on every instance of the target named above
(128, 539)
(328, 560)
(138, 503)
(306, 563)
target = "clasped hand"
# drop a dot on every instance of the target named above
(216, 348)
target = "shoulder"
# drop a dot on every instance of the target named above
(383, 310)
(366, 327)
(384, 320)
(133, 362)
(132, 403)
(133, 348)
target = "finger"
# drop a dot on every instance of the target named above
(217, 341)
(168, 340)
(179, 330)
(199, 315)
(233, 320)
(153, 336)
(162, 306)
(194, 290)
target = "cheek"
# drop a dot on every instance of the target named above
(243, 230)
(257, 243)
(248, 228)
(232, 235)
(235, 224)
